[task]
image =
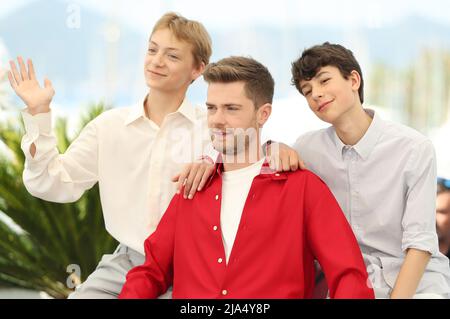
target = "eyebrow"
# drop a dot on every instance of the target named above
(174, 49)
(226, 105)
(316, 76)
(321, 73)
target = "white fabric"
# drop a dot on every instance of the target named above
(386, 186)
(131, 158)
(235, 188)
(384, 293)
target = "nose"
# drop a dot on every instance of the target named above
(217, 119)
(158, 60)
(316, 93)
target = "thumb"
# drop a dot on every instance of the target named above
(176, 178)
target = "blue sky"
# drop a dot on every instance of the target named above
(351, 13)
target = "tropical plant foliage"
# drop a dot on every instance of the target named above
(50, 237)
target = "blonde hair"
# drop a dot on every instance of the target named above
(190, 31)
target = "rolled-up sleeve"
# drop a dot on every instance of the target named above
(419, 219)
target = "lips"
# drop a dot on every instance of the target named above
(155, 73)
(323, 106)
(221, 134)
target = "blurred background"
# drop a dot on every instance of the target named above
(93, 52)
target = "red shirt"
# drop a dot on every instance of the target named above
(289, 219)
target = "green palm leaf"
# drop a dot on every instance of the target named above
(49, 236)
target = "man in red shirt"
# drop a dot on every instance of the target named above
(251, 233)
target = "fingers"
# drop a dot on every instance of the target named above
(197, 176)
(208, 172)
(176, 178)
(31, 72)
(48, 84)
(181, 179)
(275, 163)
(197, 179)
(293, 163)
(23, 69)
(15, 73)
(12, 81)
(190, 180)
(285, 163)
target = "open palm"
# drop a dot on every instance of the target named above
(26, 86)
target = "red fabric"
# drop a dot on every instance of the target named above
(289, 219)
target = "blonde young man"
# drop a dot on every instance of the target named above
(131, 152)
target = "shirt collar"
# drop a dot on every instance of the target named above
(137, 111)
(367, 143)
(187, 110)
(266, 171)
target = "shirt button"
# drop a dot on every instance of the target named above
(217, 197)
(220, 260)
(277, 175)
(224, 292)
(215, 228)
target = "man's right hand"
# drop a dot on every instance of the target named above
(24, 83)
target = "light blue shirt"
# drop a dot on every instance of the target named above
(386, 186)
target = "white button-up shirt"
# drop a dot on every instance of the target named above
(131, 158)
(386, 186)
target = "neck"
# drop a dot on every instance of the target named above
(352, 125)
(243, 159)
(158, 104)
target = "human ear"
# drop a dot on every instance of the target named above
(355, 78)
(263, 114)
(198, 71)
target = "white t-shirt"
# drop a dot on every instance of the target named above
(235, 188)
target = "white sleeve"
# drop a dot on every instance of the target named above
(55, 177)
(419, 219)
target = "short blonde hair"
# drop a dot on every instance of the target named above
(190, 31)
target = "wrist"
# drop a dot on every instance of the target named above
(206, 159)
(37, 110)
(266, 147)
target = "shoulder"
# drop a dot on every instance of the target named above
(112, 116)
(306, 178)
(312, 138)
(408, 141)
(405, 135)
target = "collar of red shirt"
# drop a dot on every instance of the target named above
(266, 171)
